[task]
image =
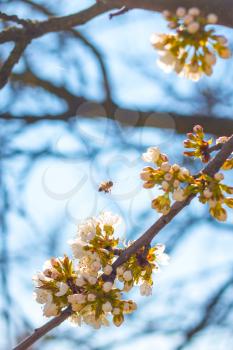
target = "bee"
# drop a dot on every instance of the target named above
(105, 186)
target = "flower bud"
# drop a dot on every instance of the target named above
(92, 280)
(107, 307)
(212, 18)
(165, 185)
(118, 320)
(175, 167)
(224, 52)
(107, 286)
(207, 193)
(165, 166)
(107, 270)
(91, 297)
(193, 27)
(197, 129)
(219, 176)
(188, 19)
(181, 12)
(166, 14)
(127, 275)
(194, 11)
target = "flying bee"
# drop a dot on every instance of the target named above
(105, 186)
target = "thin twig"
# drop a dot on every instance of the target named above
(120, 12)
(40, 332)
(13, 58)
(13, 18)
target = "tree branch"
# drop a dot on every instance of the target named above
(143, 241)
(212, 168)
(47, 327)
(53, 24)
(181, 124)
(13, 58)
(13, 18)
(222, 8)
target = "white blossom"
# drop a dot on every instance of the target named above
(166, 61)
(184, 172)
(47, 265)
(107, 286)
(157, 40)
(87, 229)
(77, 246)
(161, 257)
(107, 307)
(63, 288)
(165, 185)
(109, 219)
(194, 11)
(152, 155)
(39, 278)
(107, 269)
(181, 12)
(120, 270)
(42, 296)
(165, 166)
(176, 183)
(80, 281)
(188, 19)
(77, 298)
(75, 319)
(207, 193)
(212, 18)
(127, 275)
(91, 297)
(178, 195)
(50, 309)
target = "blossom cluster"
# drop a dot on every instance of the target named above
(199, 145)
(171, 179)
(193, 49)
(177, 183)
(211, 191)
(139, 267)
(88, 283)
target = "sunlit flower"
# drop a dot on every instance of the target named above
(43, 296)
(152, 155)
(109, 219)
(63, 288)
(50, 309)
